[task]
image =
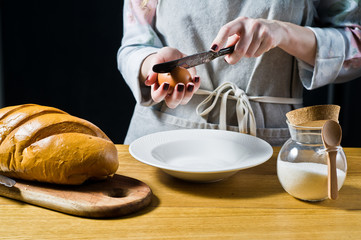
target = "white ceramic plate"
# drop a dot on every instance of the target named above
(201, 155)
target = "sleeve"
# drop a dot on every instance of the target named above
(139, 41)
(338, 34)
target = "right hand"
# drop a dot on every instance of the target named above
(253, 37)
(181, 94)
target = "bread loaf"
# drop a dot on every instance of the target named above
(48, 145)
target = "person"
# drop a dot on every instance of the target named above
(281, 47)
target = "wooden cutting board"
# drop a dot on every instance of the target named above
(114, 197)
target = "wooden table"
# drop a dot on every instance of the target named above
(249, 205)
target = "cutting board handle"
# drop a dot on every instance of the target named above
(114, 197)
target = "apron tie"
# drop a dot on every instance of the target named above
(245, 116)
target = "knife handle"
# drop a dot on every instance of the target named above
(225, 51)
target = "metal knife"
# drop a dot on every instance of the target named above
(191, 61)
(7, 181)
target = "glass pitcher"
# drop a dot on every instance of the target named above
(302, 167)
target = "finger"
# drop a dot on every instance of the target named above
(174, 99)
(197, 83)
(261, 39)
(159, 93)
(151, 79)
(265, 46)
(195, 78)
(253, 46)
(192, 71)
(232, 40)
(234, 27)
(188, 93)
(235, 56)
(241, 47)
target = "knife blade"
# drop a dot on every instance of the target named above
(7, 181)
(192, 60)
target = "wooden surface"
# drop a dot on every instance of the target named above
(249, 205)
(113, 197)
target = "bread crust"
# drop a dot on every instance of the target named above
(46, 144)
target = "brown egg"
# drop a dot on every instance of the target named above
(177, 75)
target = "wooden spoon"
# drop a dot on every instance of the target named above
(331, 137)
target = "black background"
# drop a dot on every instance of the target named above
(63, 54)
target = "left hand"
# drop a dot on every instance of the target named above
(181, 94)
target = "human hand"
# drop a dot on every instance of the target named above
(251, 37)
(181, 94)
